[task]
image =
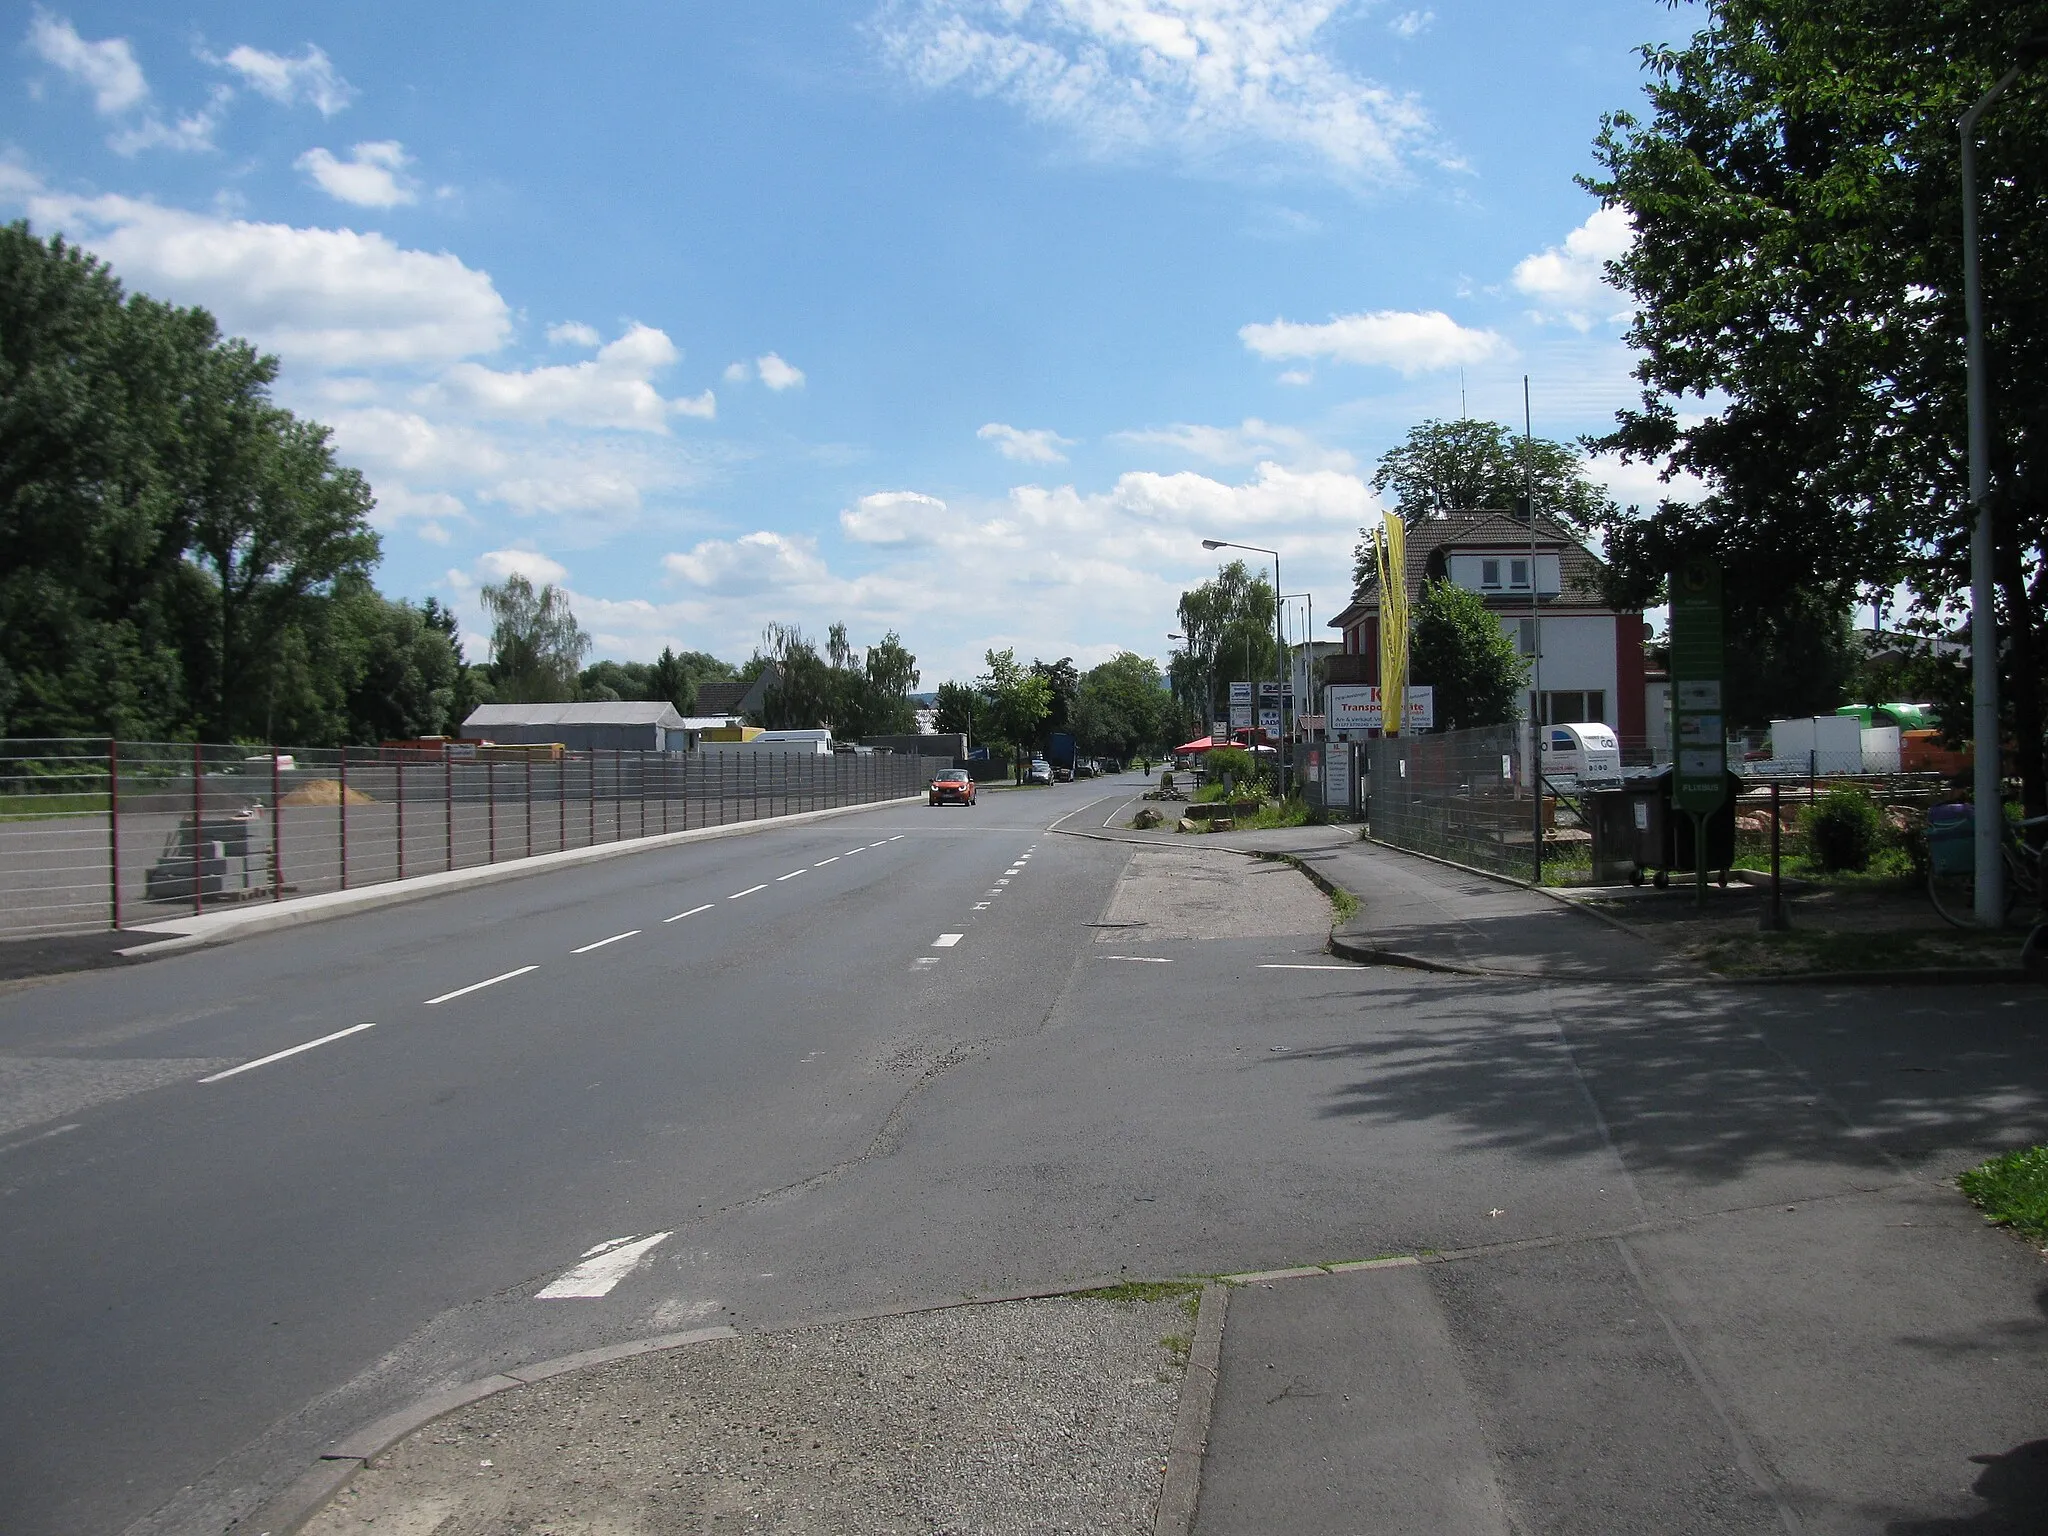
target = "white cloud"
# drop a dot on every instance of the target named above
(1196, 76)
(1569, 282)
(321, 297)
(310, 78)
(1411, 342)
(777, 374)
(536, 567)
(1411, 23)
(1297, 376)
(892, 517)
(757, 562)
(615, 389)
(1637, 484)
(573, 333)
(1034, 445)
(190, 133)
(738, 373)
(107, 68)
(1249, 442)
(371, 177)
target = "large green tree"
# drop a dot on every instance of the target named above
(537, 647)
(1122, 706)
(1226, 627)
(1457, 646)
(1480, 466)
(1017, 700)
(1797, 277)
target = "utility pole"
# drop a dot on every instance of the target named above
(1536, 722)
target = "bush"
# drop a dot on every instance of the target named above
(1846, 830)
(1242, 767)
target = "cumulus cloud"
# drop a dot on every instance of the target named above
(310, 78)
(615, 389)
(106, 68)
(497, 564)
(754, 563)
(1246, 443)
(573, 333)
(322, 297)
(1034, 445)
(1191, 76)
(892, 517)
(1411, 23)
(1569, 281)
(372, 176)
(777, 374)
(1410, 342)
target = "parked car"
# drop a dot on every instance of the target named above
(1087, 768)
(952, 786)
(1040, 772)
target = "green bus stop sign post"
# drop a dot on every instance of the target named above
(1699, 746)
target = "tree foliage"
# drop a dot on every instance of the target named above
(1481, 466)
(537, 647)
(671, 678)
(178, 555)
(1226, 625)
(851, 694)
(1017, 699)
(1122, 707)
(1797, 266)
(1458, 647)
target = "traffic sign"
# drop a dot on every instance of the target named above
(1699, 746)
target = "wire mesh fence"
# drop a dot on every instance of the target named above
(1462, 795)
(98, 833)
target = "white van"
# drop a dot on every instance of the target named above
(1588, 750)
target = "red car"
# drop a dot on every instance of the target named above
(953, 786)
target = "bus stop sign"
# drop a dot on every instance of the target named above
(1698, 725)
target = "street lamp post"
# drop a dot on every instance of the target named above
(1308, 676)
(1279, 646)
(1990, 810)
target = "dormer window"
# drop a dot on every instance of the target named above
(1489, 575)
(1518, 575)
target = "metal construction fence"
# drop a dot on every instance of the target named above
(108, 834)
(1462, 795)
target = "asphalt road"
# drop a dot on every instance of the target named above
(770, 1056)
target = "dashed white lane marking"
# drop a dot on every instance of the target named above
(946, 940)
(823, 862)
(884, 840)
(981, 906)
(850, 853)
(896, 839)
(600, 944)
(478, 986)
(1277, 966)
(791, 875)
(602, 1268)
(691, 913)
(1002, 882)
(1141, 959)
(264, 1061)
(736, 895)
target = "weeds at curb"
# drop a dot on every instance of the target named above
(2012, 1191)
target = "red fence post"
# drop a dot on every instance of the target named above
(448, 822)
(642, 771)
(529, 805)
(198, 813)
(276, 827)
(491, 810)
(398, 796)
(591, 759)
(561, 762)
(114, 828)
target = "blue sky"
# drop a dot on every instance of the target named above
(966, 318)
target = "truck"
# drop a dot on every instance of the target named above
(1060, 753)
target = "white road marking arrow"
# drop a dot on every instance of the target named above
(602, 1268)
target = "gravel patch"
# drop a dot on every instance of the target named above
(1027, 1417)
(1205, 893)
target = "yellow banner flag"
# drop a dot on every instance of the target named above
(1391, 549)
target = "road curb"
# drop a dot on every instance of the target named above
(1180, 1489)
(247, 922)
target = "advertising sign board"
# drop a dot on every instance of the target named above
(1240, 717)
(1354, 708)
(1269, 721)
(1240, 694)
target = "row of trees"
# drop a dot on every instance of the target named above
(1118, 709)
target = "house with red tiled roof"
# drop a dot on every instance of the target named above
(1592, 653)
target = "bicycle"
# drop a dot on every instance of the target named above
(1952, 868)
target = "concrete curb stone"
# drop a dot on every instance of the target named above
(1181, 1489)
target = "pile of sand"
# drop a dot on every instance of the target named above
(322, 792)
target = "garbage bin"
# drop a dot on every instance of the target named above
(1637, 831)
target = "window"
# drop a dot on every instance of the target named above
(1518, 574)
(1489, 575)
(1570, 707)
(1525, 637)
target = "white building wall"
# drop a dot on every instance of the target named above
(1578, 653)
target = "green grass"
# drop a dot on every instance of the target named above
(1285, 813)
(1148, 1290)
(2012, 1191)
(41, 807)
(1343, 905)
(1813, 949)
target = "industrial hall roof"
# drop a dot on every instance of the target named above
(608, 712)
